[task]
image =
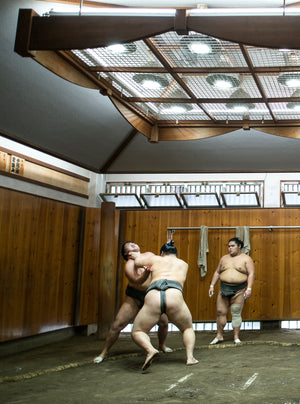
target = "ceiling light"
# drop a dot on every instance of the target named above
(122, 48)
(150, 81)
(290, 79)
(294, 105)
(200, 44)
(176, 108)
(240, 107)
(223, 81)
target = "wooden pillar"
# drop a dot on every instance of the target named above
(107, 276)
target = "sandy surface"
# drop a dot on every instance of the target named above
(264, 368)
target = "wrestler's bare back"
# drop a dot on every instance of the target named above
(167, 267)
(234, 269)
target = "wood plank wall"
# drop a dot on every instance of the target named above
(276, 292)
(40, 257)
(39, 246)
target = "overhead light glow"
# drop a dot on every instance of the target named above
(200, 44)
(240, 108)
(151, 84)
(290, 79)
(224, 84)
(200, 48)
(237, 106)
(150, 81)
(293, 83)
(122, 48)
(294, 105)
(176, 109)
(223, 81)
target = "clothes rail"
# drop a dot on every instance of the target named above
(234, 227)
(171, 230)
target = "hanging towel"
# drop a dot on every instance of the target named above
(242, 232)
(203, 250)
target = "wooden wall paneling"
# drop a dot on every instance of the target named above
(90, 267)
(38, 271)
(70, 265)
(275, 254)
(107, 279)
(12, 295)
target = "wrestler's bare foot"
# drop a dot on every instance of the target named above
(98, 359)
(216, 340)
(165, 349)
(149, 359)
(192, 361)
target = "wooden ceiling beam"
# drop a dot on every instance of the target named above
(256, 80)
(194, 70)
(279, 32)
(81, 32)
(213, 100)
(176, 77)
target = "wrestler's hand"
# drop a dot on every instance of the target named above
(247, 293)
(133, 255)
(211, 291)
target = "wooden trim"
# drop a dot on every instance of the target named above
(59, 64)
(44, 185)
(43, 164)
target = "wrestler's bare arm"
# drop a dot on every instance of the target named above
(217, 272)
(215, 278)
(143, 260)
(134, 273)
(251, 273)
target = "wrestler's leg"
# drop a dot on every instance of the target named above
(180, 315)
(163, 333)
(126, 315)
(237, 302)
(222, 309)
(147, 317)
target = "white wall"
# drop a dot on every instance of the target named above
(95, 183)
(98, 181)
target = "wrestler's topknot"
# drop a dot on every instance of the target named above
(169, 248)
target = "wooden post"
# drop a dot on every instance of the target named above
(107, 276)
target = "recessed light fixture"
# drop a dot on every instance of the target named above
(176, 108)
(240, 107)
(150, 81)
(223, 81)
(290, 79)
(200, 44)
(294, 105)
(122, 48)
